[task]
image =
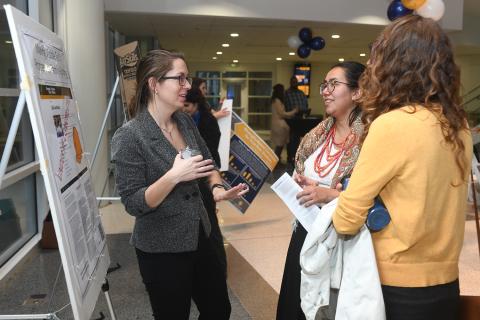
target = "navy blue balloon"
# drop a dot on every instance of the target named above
(305, 34)
(317, 43)
(303, 51)
(396, 10)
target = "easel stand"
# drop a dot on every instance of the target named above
(105, 289)
(53, 316)
(3, 167)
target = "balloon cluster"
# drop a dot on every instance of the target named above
(433, 9)
(305, 42)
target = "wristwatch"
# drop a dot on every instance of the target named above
(218, 185)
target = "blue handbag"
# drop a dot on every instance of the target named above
(378, 216)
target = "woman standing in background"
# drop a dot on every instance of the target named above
(280, 131)
(201, 84)
(196, 107)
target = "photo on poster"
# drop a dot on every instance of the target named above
(57, 120)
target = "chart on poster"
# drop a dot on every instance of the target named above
(56, 126)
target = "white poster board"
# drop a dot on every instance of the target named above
(58, 138)
(225, 125)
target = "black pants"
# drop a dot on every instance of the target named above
(173, 279)
(288, 307)
(425, 303)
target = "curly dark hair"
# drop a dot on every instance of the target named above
(196, 82)
(412, 64)
(194, 95)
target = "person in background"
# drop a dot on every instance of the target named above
(196, 106)
(158, 184)
(295, 99)
(280, 131)
(416, 155)
(325, 156)
(201, 84)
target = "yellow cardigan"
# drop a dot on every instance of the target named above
(406, 160)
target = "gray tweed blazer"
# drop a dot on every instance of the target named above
(141, 155)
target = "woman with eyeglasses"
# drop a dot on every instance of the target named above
(159, 158)
(325, 156)
(416, 155)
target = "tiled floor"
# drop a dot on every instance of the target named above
(37, 274)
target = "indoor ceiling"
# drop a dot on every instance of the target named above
(259, 41)
(200, 37)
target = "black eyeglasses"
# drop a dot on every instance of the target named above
(330, 85)
(182, 80)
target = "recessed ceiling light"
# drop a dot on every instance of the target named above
(291, 53)
(234, 35)
(341, 59)
(8, 41)
(363, 54)
(225, 45)
(278, 59)
(219, 52)
(335, 36)
(235, 61)
(214, 58)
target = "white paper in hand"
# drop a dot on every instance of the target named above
(287, 189)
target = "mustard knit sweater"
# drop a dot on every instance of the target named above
(406, 161)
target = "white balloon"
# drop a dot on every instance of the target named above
(433, 9)
(294, 42)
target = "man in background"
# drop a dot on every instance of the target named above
(294, 98)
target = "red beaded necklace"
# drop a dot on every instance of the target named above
(331, 157)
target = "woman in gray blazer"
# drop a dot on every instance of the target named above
(160, 188)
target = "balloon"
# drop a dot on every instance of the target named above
(316, 43)
(294, 42)
(413, 4)
(396, 10)
(433, 9)
(305, 34)
(303, 51)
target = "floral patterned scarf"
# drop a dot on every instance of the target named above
(314, 139)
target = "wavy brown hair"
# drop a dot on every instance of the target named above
(411, 64)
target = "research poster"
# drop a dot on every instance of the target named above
(66, 152)
(251, 161)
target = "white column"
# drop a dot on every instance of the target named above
(81, 25)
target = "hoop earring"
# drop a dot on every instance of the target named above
(156, 92)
